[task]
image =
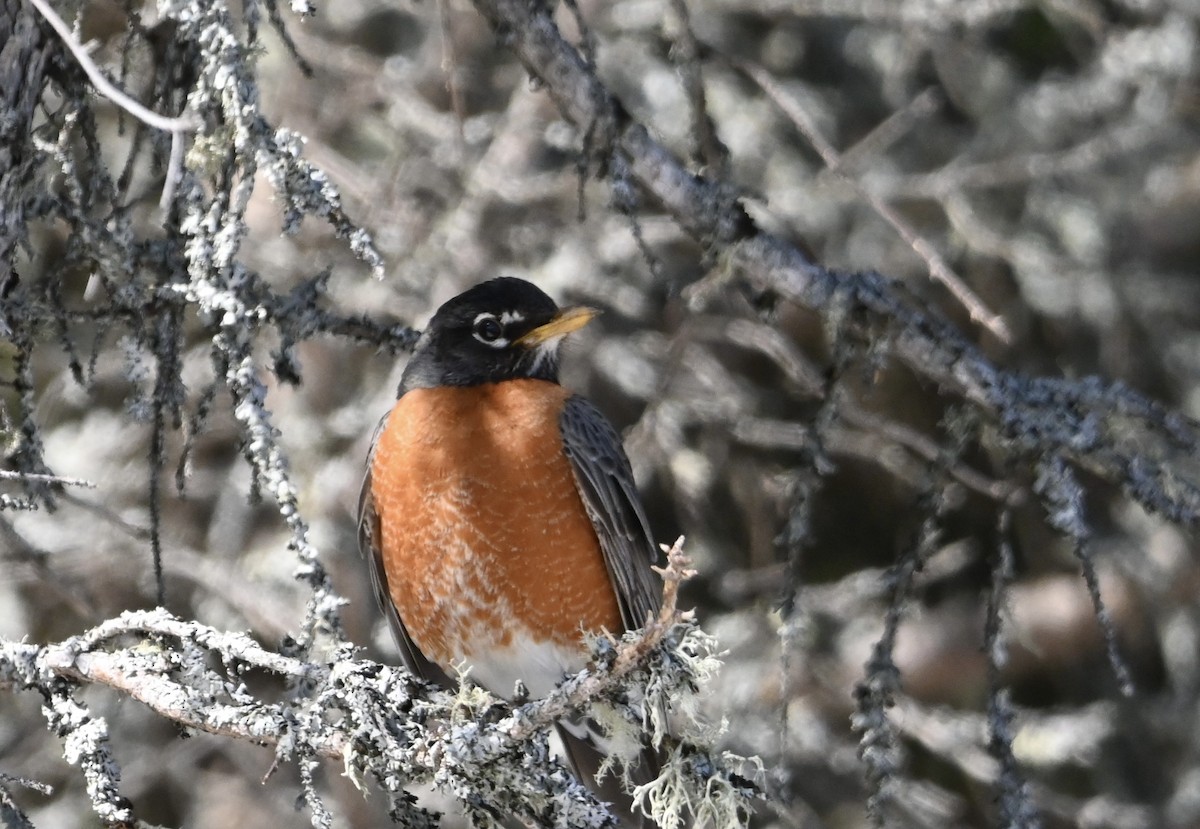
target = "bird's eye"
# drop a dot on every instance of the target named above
(488, 329)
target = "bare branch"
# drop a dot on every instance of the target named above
(939, 269)
(1033, 415)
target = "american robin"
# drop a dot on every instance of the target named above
(499, 512)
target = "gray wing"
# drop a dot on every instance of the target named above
(369, 539)
(605, 482)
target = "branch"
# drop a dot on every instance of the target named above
(629, 653)
(106, 87)
(939, 269)
(381, 722)
(1106, 428)
(10, 475)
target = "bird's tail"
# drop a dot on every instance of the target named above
(585, 752)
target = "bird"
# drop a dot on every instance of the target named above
(499, 513)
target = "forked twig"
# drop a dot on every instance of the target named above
(184, 123)
(939, 269)
(176, 126)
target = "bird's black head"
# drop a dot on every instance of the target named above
(502, 329)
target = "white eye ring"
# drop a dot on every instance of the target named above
(489, 331)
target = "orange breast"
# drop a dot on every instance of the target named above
(484, 536)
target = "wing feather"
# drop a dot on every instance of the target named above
(606, 485)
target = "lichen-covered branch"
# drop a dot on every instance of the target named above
(380, 722)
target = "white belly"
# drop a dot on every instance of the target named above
(539, 665)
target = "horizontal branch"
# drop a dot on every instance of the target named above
(382, 723)
(9, 475)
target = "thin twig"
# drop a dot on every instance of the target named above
(10, 475)
(573, 694)
(27, 783)
(939, 269)
(175, 126)
(926, 448)
(1077, 159)
(450, 68)
(708, 149)
(768, 433)
(894, 127)
(174, 169)
(184, 123)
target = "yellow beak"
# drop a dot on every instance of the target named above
(564, 322)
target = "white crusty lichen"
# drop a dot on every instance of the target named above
(385, 727)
